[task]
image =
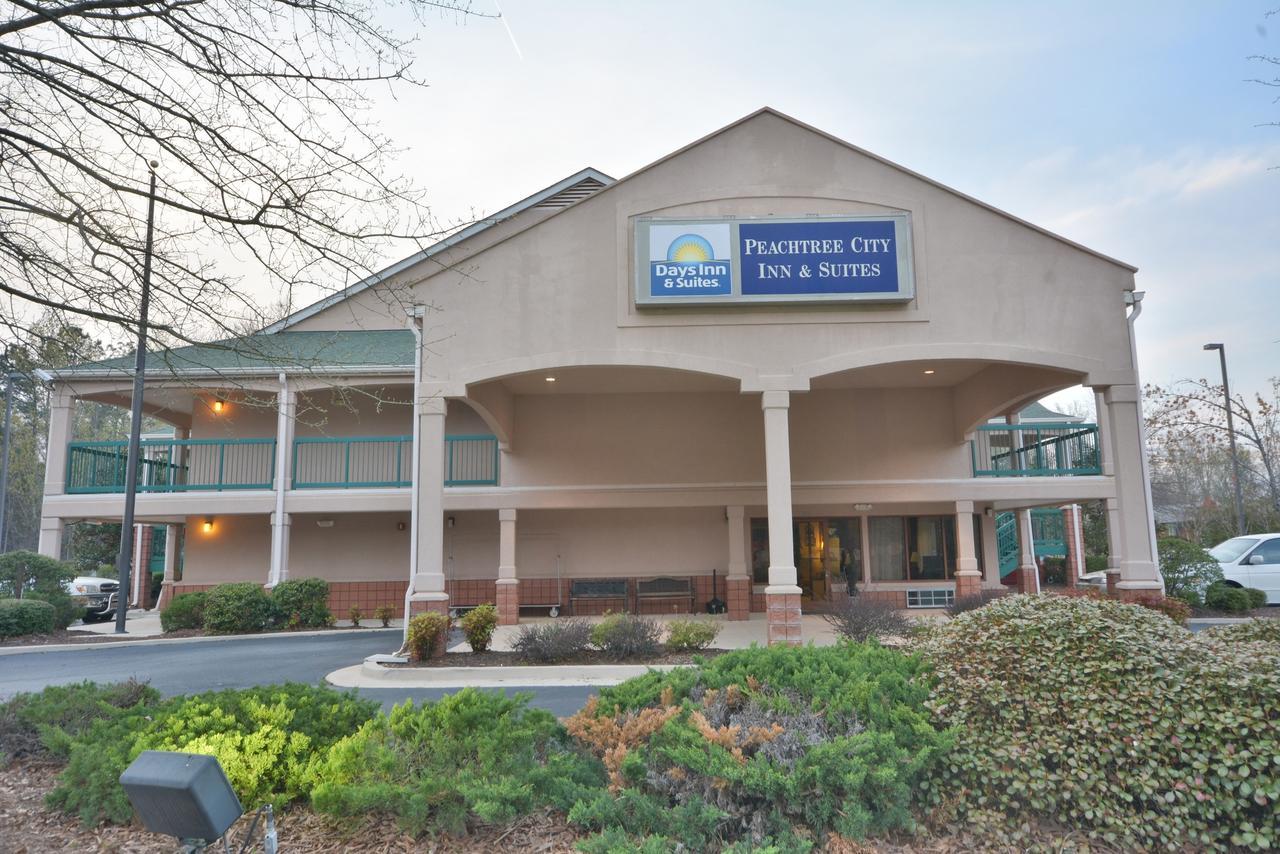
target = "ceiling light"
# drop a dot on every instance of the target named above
(550, 379)
(931, 371)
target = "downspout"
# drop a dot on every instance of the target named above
(1134, 299)
(415, 323)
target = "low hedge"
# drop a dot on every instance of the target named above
(42, 725)
(240, 608)
(1110, 719)
(20, 617)
(186, 611)
(302, 603)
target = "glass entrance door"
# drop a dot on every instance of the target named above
(810, 549)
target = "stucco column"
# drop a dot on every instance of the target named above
(286, 409)
(738, 582)
(1136, 524)
(1105, 454)
(968, 578)
(427, 589)
(1028, 571)
(141, 574)
(51, 537)
(508, 586)
(990, 551)
(61, 409)
(170, 566)
(782, 596)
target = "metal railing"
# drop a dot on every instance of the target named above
(1035, 450)
(172, 465)
(322, 462)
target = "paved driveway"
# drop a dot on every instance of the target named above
(193, 666)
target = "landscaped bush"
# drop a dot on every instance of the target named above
(426, 632)
(264, 738)
(1225, 597)
(1177, 610)
(186, 611)
(1107, 718)
(65, 611)
(383, 614)
(27, 575)
(20, 617)
(471, 757)
(690, 635)
(977, 600)
(43, 724)
(777, 744)
(860, 619)
(552, 642)
(1095, 563)
(1257, 598)
(302, 603)
(478, 626)
(240, 608)
(1263, 630)
(621, 636)
(1187, 568)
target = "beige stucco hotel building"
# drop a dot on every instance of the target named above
(770, 355)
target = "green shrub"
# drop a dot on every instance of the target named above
(861, 619)
(426, 632)
(24, 572)
(1175, 609)
(241, 608)
(302, 603)
(1257, 598)
(383, 614)
(622, 636)
(265, 739)
(471, 757)
(478, 626)
(1110, 719)
(1095, 563)
(973, 602)
(1193, 598)
(20, 617)
(185, 611)
(355, 615)
(1265, 630)
(65, 611)
(689, 635)
(1054, 570)
(763, 744)
(1186, 567)
(1225, 597)
(43, 724)
(552, 642)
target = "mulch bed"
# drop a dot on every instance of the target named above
(512, 659)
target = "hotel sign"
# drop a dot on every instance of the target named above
(774, 260)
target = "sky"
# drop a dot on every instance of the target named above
(1129, 127)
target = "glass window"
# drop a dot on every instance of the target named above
(1269, 551)
(1232, 549)
(760, 550)
(844, 548)
(888, 544)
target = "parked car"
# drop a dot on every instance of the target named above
(98, 596)
(1252, 561)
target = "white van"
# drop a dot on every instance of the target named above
(1252, 561)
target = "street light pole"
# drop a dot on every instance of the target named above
(135, 423)
(1231, 436)
(4, 459)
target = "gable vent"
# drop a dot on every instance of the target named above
(569, 195)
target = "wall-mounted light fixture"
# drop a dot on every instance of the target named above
(324, 523)
(862, 508)
(930, 372)
(449, 521)
(207, 527)
(399, 526)
(218, 405)
(550, 379)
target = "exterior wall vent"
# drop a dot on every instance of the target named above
(569, 195)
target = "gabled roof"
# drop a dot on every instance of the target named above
(360, 351)
(561, 194)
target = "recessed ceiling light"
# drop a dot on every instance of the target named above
(930, 371)
(550, 379)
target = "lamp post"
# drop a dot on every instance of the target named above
(9, 376)
(135, 422)
(1231, 436)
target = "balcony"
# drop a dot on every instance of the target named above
(1035, 450)
(216, 465)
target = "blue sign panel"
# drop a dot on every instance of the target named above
(818, 257)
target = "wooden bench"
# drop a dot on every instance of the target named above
(665, 587)
(597, 590)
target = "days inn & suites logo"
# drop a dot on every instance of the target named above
(690, 260)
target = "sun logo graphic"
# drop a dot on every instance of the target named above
(695, 263)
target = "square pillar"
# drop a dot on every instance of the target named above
(968, 578)
(140, 595)
(427, 583)
(1028, 570)
(782, 596)
(508, 586)
(51, 537)
(990, 551)
(281, 533)
(1134, 521)
(1074, 536)
(286, 410)
(61, 408)
(738, 583)
(170, 566)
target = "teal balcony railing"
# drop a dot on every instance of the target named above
(173, 465)
(1035, 450)
(321, 462)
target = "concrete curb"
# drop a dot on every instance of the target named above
(63, 647)
(370, 674)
